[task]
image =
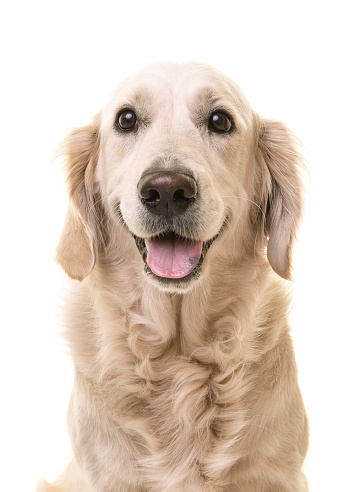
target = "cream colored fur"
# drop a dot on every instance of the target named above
(193, 389)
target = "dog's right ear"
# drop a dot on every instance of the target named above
(78, 244)
(76, 251)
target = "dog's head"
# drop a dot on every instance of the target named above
(180, 160)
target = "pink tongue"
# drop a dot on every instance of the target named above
(172, 257)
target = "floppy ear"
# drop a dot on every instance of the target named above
(281, 192)
(77, 248)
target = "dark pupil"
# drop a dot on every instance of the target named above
(127, 120)
(220, 122)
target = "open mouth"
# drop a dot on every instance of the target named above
(174, 259)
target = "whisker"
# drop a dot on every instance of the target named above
(247, 199)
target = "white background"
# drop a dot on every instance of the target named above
(59, 63)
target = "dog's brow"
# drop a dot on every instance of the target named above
(142, 95)
(207, 94)
(206, 97)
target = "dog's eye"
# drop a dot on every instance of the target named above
(126, 120)
(220, 122)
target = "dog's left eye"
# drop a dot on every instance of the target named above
(220, 122)
(126, 120)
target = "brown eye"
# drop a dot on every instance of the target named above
(126, 120)
(220, 122)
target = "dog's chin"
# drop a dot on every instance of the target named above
(180, 283)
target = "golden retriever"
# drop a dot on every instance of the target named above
(184, 205)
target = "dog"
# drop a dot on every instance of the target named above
(184, 206)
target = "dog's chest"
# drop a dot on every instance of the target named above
(170, 416)
(193, 423)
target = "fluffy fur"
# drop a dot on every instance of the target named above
(192, 386)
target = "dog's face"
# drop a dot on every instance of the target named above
(174, 159)
(179, 159)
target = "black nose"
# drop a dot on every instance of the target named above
(167, 193)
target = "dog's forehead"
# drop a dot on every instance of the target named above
(188, 83)
(174, 77)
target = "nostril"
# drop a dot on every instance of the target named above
(180, 196)
(182, 199)
(150, 197)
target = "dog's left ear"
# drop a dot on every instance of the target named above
(281, 192)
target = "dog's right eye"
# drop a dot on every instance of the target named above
(126, 120)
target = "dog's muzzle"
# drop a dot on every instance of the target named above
(171, 254)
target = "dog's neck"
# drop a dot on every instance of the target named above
(215, 324)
